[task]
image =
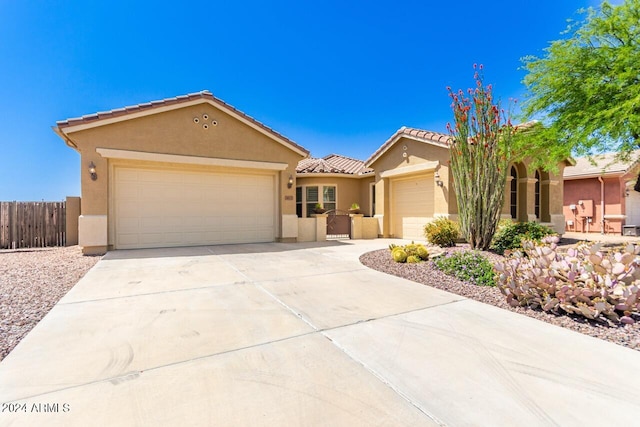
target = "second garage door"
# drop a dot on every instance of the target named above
(164, 207)
(411, 206)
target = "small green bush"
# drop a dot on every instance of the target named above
(469, 266)
(416, 251)
(442, 232)
(509, 236)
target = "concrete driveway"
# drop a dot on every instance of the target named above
(300, 334)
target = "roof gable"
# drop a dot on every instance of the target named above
(428, 137)
(65, 127)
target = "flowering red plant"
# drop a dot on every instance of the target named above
(480, 147)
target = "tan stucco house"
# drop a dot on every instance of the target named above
(413, 185)
(336, 182)
(183, 171)
(193, 170)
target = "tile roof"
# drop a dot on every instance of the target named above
(148, 106)
(434, 138)
(605, 164)
(333, 163)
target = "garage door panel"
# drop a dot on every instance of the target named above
(129, 175)
(265, 222)
(156, 208)
(129, 225)
(130, 192)
(127, 208)
(129, 239)
(149, 224)
(412, 206)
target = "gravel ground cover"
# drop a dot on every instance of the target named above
(32, 281)
(427, 274)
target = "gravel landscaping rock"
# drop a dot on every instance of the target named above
(32, 281)
(427, 274)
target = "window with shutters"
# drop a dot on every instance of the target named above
(307, 197)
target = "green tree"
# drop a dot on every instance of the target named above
(586, 88)
(480, 151)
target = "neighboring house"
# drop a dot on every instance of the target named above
(190, 170)
(599, 194)
(413, 186)
(193, 170)
(334, 181)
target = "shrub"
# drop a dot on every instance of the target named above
(510, 235)
(469, 266)
(442, 232)
(417, 252)
(583, 281)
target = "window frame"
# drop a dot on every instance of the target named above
(306, 209)
(513, 193)
(536, 195)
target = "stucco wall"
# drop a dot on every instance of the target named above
(590, 189)
(417, 153)
(307, 229)
(445, 204)
(348, 190)
(174, 132)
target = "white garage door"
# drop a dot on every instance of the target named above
(411, 206)
(161, 208)
(632, 207)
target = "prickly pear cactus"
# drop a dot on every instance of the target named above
(585, 280)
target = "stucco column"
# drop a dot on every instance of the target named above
(382, 199)
(356, 226)
(321, 226)
(556, 200)
(529, 184)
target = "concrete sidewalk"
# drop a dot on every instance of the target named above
(606, 239)
(300, 334)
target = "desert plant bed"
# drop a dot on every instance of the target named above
(31, 283)
(428, 274)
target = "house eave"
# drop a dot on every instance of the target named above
(331, 175)
(400, 134)
(66, 129)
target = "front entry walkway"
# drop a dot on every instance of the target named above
(300, 334)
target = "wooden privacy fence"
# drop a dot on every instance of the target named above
(32, 224)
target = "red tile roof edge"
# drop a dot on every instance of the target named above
(333, 163)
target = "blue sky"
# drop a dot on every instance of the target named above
(334, 76)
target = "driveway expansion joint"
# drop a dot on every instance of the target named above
(387, 383)
(168, 291)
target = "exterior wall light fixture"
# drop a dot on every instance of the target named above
(439, 182)
(290, 182)
(92, 171)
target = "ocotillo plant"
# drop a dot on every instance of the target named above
(479, 149)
